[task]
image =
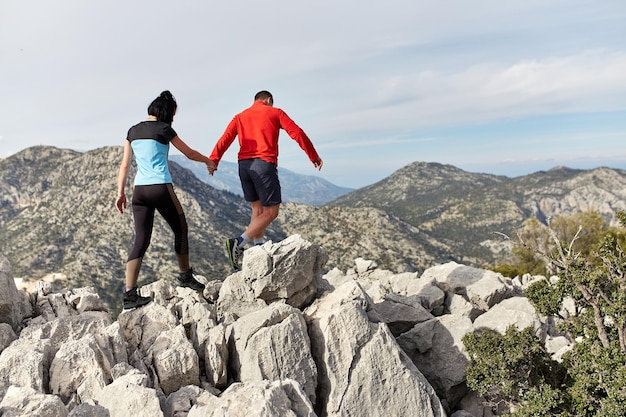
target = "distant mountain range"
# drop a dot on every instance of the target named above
(57, 215)
(297, 188)
(466, 212)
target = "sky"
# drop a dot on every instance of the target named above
(491, 86)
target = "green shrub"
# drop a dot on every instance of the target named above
(590, 262)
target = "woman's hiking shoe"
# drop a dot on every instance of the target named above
(235, 253)
(132, 299)
(186, 279)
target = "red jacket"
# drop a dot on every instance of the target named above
(257, 128)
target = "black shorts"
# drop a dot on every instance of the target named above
(259, 181)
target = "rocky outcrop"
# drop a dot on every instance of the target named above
(279, 338)
(14, 305)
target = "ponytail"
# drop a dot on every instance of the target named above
(163, 107)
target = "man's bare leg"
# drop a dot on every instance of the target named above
(261, 218)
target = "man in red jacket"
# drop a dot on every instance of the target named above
(258, 127)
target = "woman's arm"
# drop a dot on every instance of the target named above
(193, 154)
(120, 201)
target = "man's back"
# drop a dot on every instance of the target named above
(257, 128)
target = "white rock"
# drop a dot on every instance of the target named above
(14, 304)
(7, 335)
(142, 326)
(216, 357)
(401, 313)
(200, 330)
(63, 329)
(86, 299)
(515, 311)
(273, 344)
(287, 270)
(426, 290)
(124, 398)
(74, 362)
(482, 288)
(25, 363)
(357, 358)
(457, 304)
(180, 402)
(174, 360)
(89, 410)
(436, 347)
(27, 402)
(257, 399)
(237, 298)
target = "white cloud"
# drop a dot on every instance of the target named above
(591, 81)
(356, 75)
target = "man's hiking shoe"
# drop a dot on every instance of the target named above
(235, 253)
(186, 279)
(132, 299)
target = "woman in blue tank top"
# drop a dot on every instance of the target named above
(149, 142)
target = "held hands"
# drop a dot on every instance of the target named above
(318, 164)
(211, 166)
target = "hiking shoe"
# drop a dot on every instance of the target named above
(132, 299)
(235, 253)
(186, 279)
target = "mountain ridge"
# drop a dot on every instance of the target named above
(466, 210)
(57, 216)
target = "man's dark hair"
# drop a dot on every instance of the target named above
(163, 107)
(262, 95)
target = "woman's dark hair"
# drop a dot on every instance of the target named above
(163, 107)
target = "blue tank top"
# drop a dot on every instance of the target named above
(150, 141)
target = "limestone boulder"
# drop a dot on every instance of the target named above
(179, 403)
(284, 398)
(401, 313)
(25, 363)
(66, 328)
(515, 311)
(123, 398)
(199, 333)
(287, 270)
(74, 363)
(112, 343)
(437, 349)
(458, 305)
(142, 326)
(357, 357)
(15, 305)
(7, 335)
(86, 299)
(216, 357)
(273, 344)
(26, 402)
(89, 410)
(174, 360)
(425, 290)
(237, 298)
(193, 307)
(482, 288)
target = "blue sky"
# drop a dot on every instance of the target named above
(507, 88)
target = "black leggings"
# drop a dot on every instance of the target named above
(161, 197)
